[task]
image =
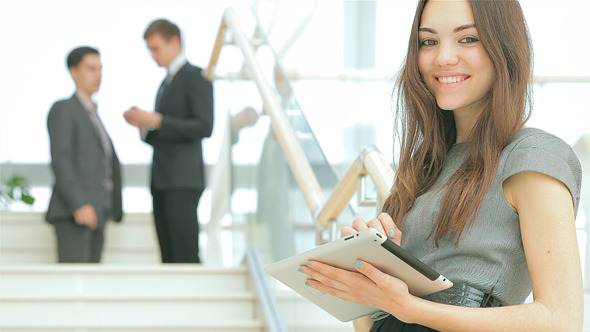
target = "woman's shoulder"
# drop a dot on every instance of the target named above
(533, 149)
(539, 146)
(536, 138)
(536, 146)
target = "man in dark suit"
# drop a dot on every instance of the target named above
(183, 117)
(87, 189)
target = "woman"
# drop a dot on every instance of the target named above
(483, 200)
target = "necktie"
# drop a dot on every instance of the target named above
(102, 133)
(106, 145)
(163, 87)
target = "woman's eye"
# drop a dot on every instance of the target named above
(468, 40)
(428, 42)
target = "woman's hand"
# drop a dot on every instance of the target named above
(384, 224)
(366, 286)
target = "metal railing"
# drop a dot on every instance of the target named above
(266, 304)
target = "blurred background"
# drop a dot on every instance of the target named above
(339, 58)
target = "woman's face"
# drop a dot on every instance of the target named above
(451, 59)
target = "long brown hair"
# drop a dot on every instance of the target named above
(426, 132)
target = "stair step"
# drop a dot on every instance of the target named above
(31, 231)
(130, 290)
(211, 297)
(112, 280)
(221, 326)
(26, 238)
(140, 310)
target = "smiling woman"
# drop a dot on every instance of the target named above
(484, 200)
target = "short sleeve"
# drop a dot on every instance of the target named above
(549, 155)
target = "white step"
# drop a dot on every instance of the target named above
(221, 326)
(107, 280)
(106, 297)
(131, 311)
(26, 238)
(129, 278)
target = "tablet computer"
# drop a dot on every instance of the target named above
(368, 245)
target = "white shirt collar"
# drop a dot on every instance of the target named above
(176, 64)
(89, 104)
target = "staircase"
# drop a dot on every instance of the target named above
(117, 298)
(130, 290)
(26, 238)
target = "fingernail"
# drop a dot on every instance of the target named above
(307, 284)
(301, 270)
(358, 264)
(392, 233)
(308, 264)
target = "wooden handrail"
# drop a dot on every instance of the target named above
(380, 172)
(219, 41)
(300, 167)
(341, 196)
(370, 161)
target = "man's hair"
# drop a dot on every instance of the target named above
(166, 28)
(78, 53)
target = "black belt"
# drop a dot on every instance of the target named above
(465, 296)
(459, 295)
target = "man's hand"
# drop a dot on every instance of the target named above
(86, 216)
(142, 119)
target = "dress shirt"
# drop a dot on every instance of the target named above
(173, 68)
(175, 65)
(91, 108)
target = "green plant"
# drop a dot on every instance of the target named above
(16, 189)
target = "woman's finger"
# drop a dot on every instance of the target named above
(345, 231)
(389, 227)
(359, 224)
(326, 274)
(376, 224)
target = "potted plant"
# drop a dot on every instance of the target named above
(16, 189)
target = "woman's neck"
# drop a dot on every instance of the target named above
(465, 120)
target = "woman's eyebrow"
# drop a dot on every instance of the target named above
(464, 27)
(457, 29)
(427, 30)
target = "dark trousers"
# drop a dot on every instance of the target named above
(175, 216)
(78, 244)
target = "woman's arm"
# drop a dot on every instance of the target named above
(546, 214)
(363, 324)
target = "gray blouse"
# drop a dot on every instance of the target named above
(490, 255)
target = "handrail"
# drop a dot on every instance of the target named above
(300, 167)
(370, 161)
(267, 303)
(216, 51)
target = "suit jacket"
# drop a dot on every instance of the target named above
(79, 164)
(186, 106)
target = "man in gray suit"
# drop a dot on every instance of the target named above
(87, 189)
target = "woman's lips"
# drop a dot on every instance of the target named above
(450, 81)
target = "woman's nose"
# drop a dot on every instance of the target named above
(447, 55)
